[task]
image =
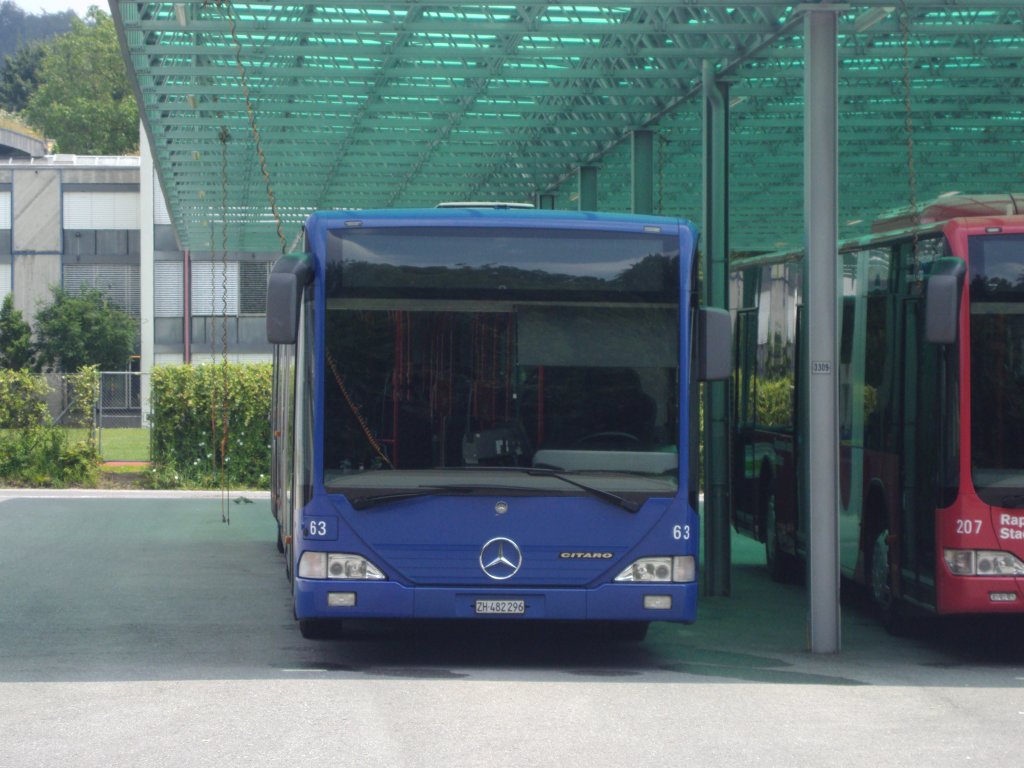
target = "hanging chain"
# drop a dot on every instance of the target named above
(228, 11)
(225, 514)
(225, 6)
(908, 123)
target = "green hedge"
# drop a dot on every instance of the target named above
(22, 400)
(33, 452)
(84, 391)
(211, 425)
(44, 457)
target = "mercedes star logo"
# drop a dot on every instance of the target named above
(500, 558)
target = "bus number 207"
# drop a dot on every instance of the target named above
(968, 526)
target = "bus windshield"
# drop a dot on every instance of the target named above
(997, 367)
(486, 349)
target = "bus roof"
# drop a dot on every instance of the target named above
(511, 217)
(949, 207)
(932, 217)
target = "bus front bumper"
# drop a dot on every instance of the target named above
(317, 599)
(980, 594)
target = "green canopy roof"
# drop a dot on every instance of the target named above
(259, 113)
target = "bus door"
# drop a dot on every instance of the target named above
(853, 403)
(745, 470)
(922, 419)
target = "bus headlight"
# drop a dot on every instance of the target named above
(982, 562)
(660, 569)
(340, 566)
(313, 565)
(336, 565)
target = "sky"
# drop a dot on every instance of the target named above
(57, 6)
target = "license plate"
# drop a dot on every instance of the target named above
(501, 606)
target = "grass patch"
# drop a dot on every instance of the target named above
(118, 443)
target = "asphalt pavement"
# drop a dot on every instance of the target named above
(143, 629)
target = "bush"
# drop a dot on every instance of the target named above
(44, 457)
(210, 424)
(84, 393)
(22, 400)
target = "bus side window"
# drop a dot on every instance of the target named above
(746, 367)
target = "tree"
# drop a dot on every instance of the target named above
(84, 101)
(16, 350)
(19, 76)
(75, 331)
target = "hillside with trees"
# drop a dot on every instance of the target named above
(72, 88)
(18, 28)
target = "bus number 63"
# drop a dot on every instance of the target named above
(681, 532)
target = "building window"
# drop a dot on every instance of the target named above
(214, 289)
(120, 283)
(253, 276)
(101, 210)
(168, 292)
(5, 279)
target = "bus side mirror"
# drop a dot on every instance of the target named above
(284, 294)
(714, 344)
(942, 301)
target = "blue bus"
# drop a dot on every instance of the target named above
(490, 413)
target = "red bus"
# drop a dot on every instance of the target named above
(931, 408)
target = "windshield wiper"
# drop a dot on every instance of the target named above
(630, 506)
(365, 502)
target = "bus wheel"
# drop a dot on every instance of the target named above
(320, 629)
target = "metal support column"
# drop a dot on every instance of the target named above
(147, 297)
(588, 188)
(643, 171)
(715, 250)
(820, 449)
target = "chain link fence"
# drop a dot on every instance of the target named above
(120, 401)
(116, 421)
(122, 432)
(105, 408)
